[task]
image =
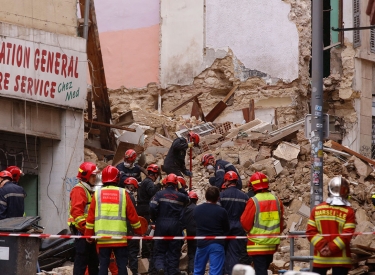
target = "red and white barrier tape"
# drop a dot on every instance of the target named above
(44, 236)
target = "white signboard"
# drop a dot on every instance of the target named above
(4, 253)
(40, 68)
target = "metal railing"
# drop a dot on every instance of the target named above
(298, 258)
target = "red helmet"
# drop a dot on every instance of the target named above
(206, 158)
(223, 186)
(131, 181)
(193, 137)
(6, 175)
(110, 174)
(85, 170)
(171, 178)
(230, 175)
(259, 181)
(130, 156)
(153, 168)
(193, 195)
(16, 172)
(182, 181)
(164, 181)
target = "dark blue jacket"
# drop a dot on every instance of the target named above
(188, 220)
(125, 173)
(147, 189)
(234, 201)
(221, 167)
(12, 198)
(166, 210)
(174, 162)
(211, 220)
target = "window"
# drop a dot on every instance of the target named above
(356, 23)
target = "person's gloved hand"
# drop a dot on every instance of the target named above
(188, 173)
(190, 144)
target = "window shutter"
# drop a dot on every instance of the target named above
(372, 41)
(356, 23)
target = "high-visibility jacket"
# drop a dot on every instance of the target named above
(263, 215)
(80, 200)
(110, 208)
(331, 219)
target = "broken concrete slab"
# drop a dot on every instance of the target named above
(363, 169)
(260, 128)
(264, 153)
(304, 211)
(361, 215)
(233, 132)
(364, 226)
(287, 151)
(164, 141)
(154, 150)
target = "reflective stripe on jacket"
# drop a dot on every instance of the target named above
(331, 220)
(76, 221)
(110, 214)
(266, 222)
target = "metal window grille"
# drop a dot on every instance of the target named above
(356, 23)
(372, 41)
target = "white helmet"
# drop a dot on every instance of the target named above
(338, 187)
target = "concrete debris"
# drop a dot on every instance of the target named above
(284, 158)
(287, 151)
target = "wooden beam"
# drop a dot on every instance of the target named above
(97, 76)
(100, 151)
(251, 110)
(185, 102)
(197, 110)
(107, 125)
(338, 146)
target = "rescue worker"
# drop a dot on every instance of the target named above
(220, 167)
(191, 228)
(211, 220)
(131, 186)
(331, 219)
(263, 215)
(12, 197)
(129, 168)
(80, 200)
(234, 201)
(111, 206)
(147, 189)
(174, 162)
(166, 209)
(182, 185)
(16, 173)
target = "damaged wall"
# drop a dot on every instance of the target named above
(259, 33)
(129, 37)
(181, 45)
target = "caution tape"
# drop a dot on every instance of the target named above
(45, 236)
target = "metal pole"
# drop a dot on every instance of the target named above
(317, 106)
(86, 20)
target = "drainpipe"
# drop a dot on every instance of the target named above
(86, 18)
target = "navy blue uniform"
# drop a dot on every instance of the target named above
(166, 209)
(174, 162)
(234, 201)
(125, 173)
(133, 245)
(191, 230)
(147, 189)
(221, 167)
(12, 201)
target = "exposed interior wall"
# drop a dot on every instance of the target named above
(260, 33)
(59, 162)
(129, 36)
(182, 38)
(52, 16)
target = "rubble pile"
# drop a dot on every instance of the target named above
(283, 155)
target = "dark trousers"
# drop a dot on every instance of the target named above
(121, 254)
(338, 270)
(233, 253)
(262, 263)
(192, 248)
(167, 256)
(133, 250)
(86, 256)
(151, 266)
